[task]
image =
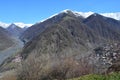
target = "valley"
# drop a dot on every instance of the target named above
(4, 54)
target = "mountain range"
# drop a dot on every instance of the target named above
(114, 15)
(70, 34)
(67, 32)
(20, 24)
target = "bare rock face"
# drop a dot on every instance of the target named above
(115, 67)
(108, 57)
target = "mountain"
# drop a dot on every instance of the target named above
(104, 27)
(5, 39)
(67, 33)
(25, 28)
(37, 28)
(15, 30)
(95, 39)
(40, 27)
(20, 24)
(66, 37)
(115, 15)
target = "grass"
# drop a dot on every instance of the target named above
(90, 77)
(112, 76)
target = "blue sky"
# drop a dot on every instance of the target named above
(32, 11)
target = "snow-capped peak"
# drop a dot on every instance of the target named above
(5, 25)
(12, 26)
(84, 14)
(112, 15)
(20, 24)
(115, 15)
(66, 11)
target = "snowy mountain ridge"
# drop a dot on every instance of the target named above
(20, 24)
(115, 15)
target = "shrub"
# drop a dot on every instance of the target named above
(47, 67)
(34, 68)
(9, 76)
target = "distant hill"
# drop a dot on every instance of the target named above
(15, 30)
(104, 27)
(5, 39)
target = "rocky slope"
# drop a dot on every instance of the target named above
(67, 33)
(106, 58)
